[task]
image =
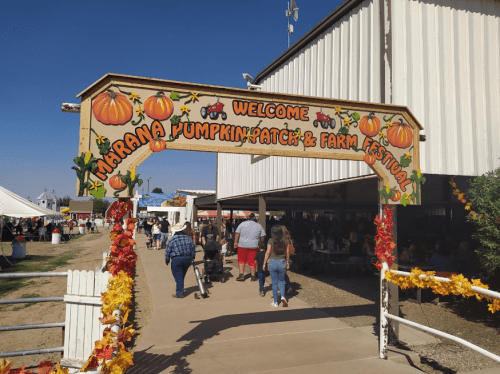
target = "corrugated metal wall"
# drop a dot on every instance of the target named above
(445, 69)
(343, 62)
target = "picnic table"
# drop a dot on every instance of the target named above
(329, 253)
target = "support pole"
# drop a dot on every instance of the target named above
(262, 211)
(135, 201)
(394, 288)
(219, 219)
(384, 308)
(195, 217)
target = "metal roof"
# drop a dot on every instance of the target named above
(78, 206)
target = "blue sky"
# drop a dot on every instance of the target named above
(51, 51)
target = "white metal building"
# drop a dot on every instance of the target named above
(46, 201)
(440, 58)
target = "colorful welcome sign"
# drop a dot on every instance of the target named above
(126, 119)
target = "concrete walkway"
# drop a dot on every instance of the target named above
(236, 330)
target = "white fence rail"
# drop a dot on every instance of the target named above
(32, 326)
(384, 315)
(83, 310)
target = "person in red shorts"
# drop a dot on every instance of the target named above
(246, 241)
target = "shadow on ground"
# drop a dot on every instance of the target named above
(150, 363)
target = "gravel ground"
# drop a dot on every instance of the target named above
(355, 302)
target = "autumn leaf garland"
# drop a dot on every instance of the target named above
(384, 238)
(45, 367)
(110, 352)
(458, 285)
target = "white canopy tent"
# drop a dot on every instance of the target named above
(13, 205)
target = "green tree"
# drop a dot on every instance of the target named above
(64, 201)
(100, 205)
(484, 196)
(157, 190)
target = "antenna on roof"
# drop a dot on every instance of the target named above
(292, 11)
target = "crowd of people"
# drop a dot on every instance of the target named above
(264, 257)
(156, 230)
(30, 228)
(39, 228)
(442, 256)
(268, 251)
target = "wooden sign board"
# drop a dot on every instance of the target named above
(125, 119)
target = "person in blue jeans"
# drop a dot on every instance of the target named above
(261, 273)
(181, 250)
(279, 257)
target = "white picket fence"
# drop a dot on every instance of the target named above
(83, 310)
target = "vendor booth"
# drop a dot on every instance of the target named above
(14, 206)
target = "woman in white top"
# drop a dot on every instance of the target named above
(156, 234)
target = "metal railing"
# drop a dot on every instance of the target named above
(384, 314)
(32, 326)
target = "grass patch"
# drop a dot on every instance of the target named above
(34, 264)
(29, 296)
(44, 263)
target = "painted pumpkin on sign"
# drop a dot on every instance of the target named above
(159, 107)
(112, 108)
(397, 195)
(116, 182)
(369, 158)
(157, 145)
(369, 125)
(400, 134)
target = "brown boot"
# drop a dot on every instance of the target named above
(241, 277)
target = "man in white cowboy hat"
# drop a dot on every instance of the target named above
(181, 250)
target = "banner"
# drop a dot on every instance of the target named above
(126, 119)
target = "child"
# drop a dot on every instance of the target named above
(224, 250)
(148, 241)
(259, 258)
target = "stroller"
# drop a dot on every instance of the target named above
(212, 261)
